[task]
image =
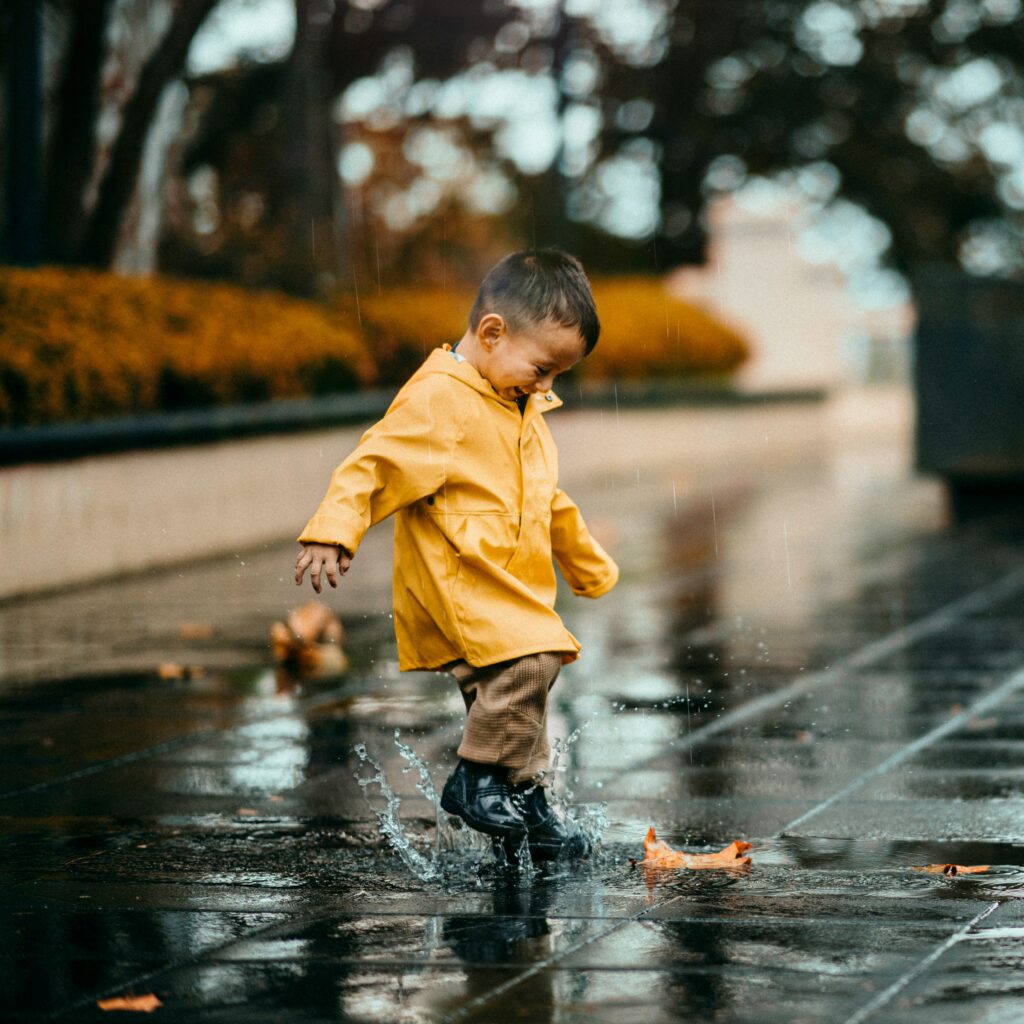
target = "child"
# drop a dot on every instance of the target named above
(464, 459)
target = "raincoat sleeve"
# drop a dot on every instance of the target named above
(402, 458)
(586, 566)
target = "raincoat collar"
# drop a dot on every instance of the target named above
(440, 361)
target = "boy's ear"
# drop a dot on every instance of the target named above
(490, 328)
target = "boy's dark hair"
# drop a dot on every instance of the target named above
(535, 285)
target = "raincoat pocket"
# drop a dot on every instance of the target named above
(486, 540)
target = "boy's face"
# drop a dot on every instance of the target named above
(526, 361)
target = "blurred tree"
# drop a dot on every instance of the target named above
(916, 106)
(21, 48)
(72, 148)
(102, 225)
(88, 182)
(260, 198)
(395, 127)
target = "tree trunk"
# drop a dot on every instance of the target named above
(25, 129)
(118, 182)
(72, 149)
(311, 192)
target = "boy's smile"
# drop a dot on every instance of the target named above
(522, 363)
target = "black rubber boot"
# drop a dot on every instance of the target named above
(547, 835)
(480, 794)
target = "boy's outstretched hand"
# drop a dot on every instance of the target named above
(328, 558)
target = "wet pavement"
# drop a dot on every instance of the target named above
(804, 652)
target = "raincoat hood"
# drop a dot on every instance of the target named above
(442, 360)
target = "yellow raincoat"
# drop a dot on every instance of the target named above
(473, 484)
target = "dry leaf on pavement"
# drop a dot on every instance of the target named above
(309, 640)
(144, 1004)
(658, 854)
(953, 869)
(195, 631)
(172, 670)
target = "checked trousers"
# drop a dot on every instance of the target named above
(507, 713)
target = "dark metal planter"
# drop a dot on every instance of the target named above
(969, 377)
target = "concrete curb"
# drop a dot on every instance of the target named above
(62, 441)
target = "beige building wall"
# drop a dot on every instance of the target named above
(797, 315)
(85, 519)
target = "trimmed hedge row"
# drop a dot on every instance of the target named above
(79, 344)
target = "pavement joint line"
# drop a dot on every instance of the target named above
(197, 737)
(310, 704)
(1009, 686)
(886, 995)
(193, 958)
(877, 568)
(475, 1004)
(861, 658)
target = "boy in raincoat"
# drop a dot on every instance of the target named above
(467, 465)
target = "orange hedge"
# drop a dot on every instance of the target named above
(79, 344)
(644, 331)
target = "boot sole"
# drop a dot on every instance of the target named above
(552, 850)
(479, 824)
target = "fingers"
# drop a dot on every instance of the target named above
(324, 562)
(331, 570)
(315, 573)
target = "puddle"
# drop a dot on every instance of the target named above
(457, 858)
(458, 852)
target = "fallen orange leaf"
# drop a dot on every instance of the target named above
(658, 854)
(310, 641)
(195, 631)
(145, 1004)
(172, 670)
(315, 622)
(953, 869)
(977, 724)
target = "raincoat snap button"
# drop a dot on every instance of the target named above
(548, 398)
(430, 500)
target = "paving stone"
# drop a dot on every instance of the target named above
(759, 673)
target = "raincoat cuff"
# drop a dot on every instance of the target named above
(333, 529)
(602, 586)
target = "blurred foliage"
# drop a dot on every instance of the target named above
(79, 344)
(645, 331)
(888, 103)
(909, 108)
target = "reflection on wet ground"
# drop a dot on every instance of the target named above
(803, 652)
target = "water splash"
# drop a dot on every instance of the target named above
(390, 825)
(459, 851)
(454, 838)
(587, 820)
(426, 783)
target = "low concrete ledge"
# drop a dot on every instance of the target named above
(686, 393)
(78, 505)
(193, 426)
(102, 516)
(62, 441)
